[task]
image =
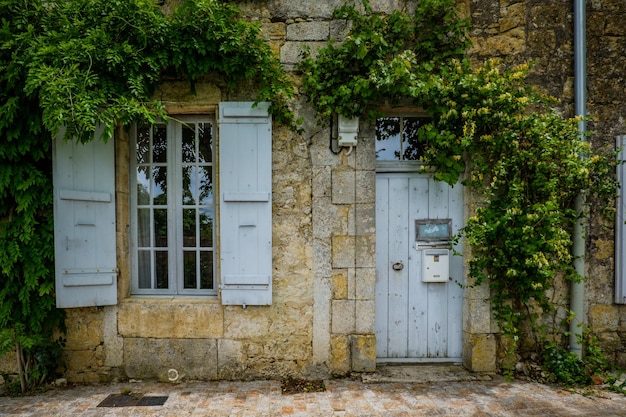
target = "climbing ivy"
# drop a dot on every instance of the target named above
(491, 131)
(93, 62)
(383, 58)
(82, 63)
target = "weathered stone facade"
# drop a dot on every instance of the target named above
(606, 47)
(542, 32)
(322, 319)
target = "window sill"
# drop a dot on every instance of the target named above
(169, 299)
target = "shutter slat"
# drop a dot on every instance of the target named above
(260, 280)
(84, 196)
(249, 197)
(88, 280)
(245, 111)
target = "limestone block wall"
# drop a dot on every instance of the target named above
(343, 212)
(344, 251)
(321, 321)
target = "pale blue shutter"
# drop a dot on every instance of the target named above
(620, 228)
(245, 182)
(84, 223)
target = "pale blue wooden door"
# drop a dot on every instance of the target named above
(84, 223)
(245, 183)
(415, 320)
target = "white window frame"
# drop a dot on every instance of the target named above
(174, 213)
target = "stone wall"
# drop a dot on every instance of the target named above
(606, 52)
(542, 32)
(321, 321)
(606, 46)
(344, 248)
(322, 318)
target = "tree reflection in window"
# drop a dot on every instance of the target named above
(174, 230)
(152, 206)
(197, 209)
(397, 138)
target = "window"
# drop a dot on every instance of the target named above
(433, 230)
(173, 208)
(172, 197)
(397, 138)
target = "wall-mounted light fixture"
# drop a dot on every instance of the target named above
(347, 131)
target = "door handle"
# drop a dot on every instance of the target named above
(397, 266)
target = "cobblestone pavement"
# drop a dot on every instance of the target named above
(343, 397)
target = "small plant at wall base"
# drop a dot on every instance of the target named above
(76, 64)
(491, 131)
(567, 368)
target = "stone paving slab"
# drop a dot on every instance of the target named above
(422, 373)
(344, 397)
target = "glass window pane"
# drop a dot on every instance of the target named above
(159, 144)
(189, 143)
(205, 139)
(433, 230)
(161, 269)
(194, 210)
(160, 228)
(143, 186)
(189, 266)
(206, 270)
(189, 185)
(205, 182)
(144, 269)
(189, 228)
(388, 139)
(206, 228)
(143, 228)
(412, 148)
(159, 175)
(143, 145)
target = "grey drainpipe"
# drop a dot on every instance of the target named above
(577, 290)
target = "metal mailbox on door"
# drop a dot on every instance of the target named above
(433, 239)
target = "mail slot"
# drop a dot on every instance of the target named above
(435, 265)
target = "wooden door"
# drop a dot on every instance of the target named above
(415, 320)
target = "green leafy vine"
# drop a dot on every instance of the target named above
(76, 64)
(95, 62)
(491, 131)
